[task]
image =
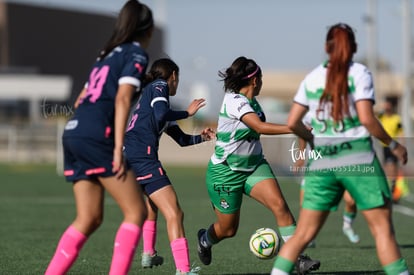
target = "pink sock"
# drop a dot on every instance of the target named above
(149, 236)
(179, 249)
(126, 241)
(66, 252)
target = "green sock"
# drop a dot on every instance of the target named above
(283, 264)
(287, 231)
(398, 267)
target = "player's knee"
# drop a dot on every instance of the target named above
(174, 216)
(89, 224)
(138, 216)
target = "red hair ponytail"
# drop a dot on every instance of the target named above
(340, 45)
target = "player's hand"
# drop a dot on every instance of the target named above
(118, 165)
(195, 105)
(310, 141)
(401, 153)
(208, 134)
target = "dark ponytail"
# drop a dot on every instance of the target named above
(133, 22)
(161, 69)
(239, 74)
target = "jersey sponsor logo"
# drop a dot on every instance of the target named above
(139, 67)
(242, 105)
(139, 58)
(72, 124)
(330, 150)
(224, 204)
(222, 188)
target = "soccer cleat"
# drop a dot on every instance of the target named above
(352, 237)
(204, 253)
(185, 273)
(305, 264)
(193, 271)
(148, 260)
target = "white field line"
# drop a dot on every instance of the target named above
(403, 210)
(409, 198)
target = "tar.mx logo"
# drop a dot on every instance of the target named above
(303, 154)
(53, 110)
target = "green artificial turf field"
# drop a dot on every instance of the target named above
(36, 205)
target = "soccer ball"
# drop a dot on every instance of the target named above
(264, 243)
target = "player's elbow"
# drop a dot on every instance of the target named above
(259, 129)
(292, 123)
(160, 119)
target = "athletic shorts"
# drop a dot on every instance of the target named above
(366, 183)
(226, 187)
(388, 156)
(87, 159)
(150, 175)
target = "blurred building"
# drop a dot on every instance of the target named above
(45, 57)
(49, 43)
(282, 86)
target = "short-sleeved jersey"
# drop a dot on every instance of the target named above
(237, 144)
(392, 124)
(144, 131)
(94, 117)
(347, 142)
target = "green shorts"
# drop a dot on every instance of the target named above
(226, 187)
(366, 183)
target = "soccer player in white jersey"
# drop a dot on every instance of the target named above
(350, 209)
(339, 95)
(238, 166)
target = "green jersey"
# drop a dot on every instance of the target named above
(342, 143)
(237, 144)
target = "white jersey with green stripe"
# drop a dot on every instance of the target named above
(237, 144)
(346, 142)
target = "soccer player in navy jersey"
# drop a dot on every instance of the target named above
(93, 141)
(151, 117)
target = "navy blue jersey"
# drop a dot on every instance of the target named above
(152, 115)
(94, 118)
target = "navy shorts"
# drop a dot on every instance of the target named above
(388, 156)
(150, 175)
(87, 159)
